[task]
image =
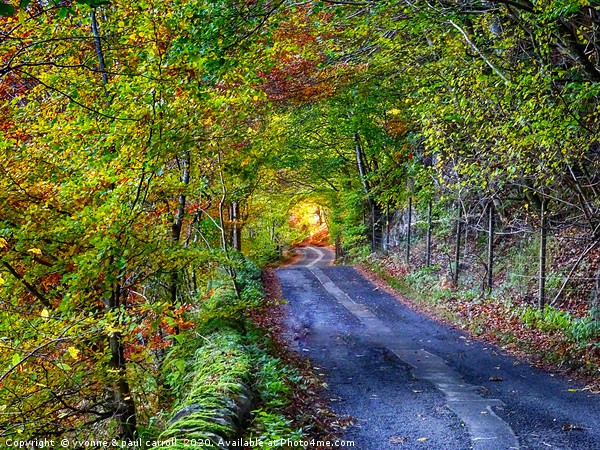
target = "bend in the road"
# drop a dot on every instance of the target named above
(315, 256)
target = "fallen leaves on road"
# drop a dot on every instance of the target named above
(497, 322)
(398, 439)
(310, 409)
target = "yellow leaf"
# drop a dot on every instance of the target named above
(2, 281)
(3, 243)
(35, 251)
(110, 330)
(73, 352)
(423, 439)
(45, 314)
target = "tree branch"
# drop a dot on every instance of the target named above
(32, 290)
(479, 52)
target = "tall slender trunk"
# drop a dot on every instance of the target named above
(98, 43)
(361, 164)
(236, 232)
(490, 261)
(457, 249)
(408, 231)
(542, 260)
(124, 407)
(123, 404)
(387, 226)
(375, 210)
(374, 220)
(428, 243)
(230, 269)
(178, 223)
(595, 301)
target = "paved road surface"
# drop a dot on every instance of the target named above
(412, 383)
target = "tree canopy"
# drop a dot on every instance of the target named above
(144, 144)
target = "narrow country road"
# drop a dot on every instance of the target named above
(412, 383)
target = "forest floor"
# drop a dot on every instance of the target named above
(408, 381)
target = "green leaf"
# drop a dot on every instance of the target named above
(180, 364)
(63, 366)
(6, 10)
(93, 3)
(24, 3)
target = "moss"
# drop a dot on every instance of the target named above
(220, 370)
(211, 372)
(193, 427)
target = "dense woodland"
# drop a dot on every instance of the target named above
(145, 144)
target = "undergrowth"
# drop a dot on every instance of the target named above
(553, 335)
(223, 366)
(582, 330)
(274, 383)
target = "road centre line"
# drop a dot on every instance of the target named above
(319, 258)
(487, 430)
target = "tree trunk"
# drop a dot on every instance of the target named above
(376, 227)
(361, 165)
(387, 227)
(178, 223)
(124, 407)
(236, 232)
(98, 43)
(408, 231)
(230, 269)
(457, 249)
(428, 243)
(375, 210)
(122, 397)
(542, 260)
(490, 261)
(595, 301)
(338, 248)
